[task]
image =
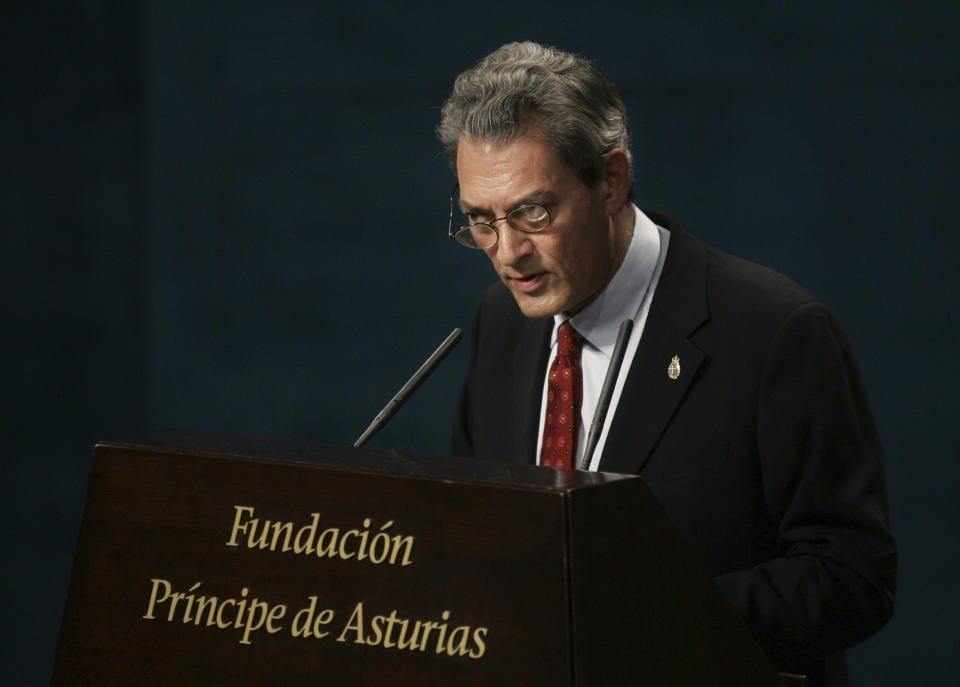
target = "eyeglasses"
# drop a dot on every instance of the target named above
(483, 235)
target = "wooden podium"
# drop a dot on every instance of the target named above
(220, 560)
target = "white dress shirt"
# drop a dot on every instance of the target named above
(627, 296)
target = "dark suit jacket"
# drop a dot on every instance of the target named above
(764, 451)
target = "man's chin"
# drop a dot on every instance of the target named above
(537, 306)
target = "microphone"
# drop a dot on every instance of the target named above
(407, 390)
(606, 393)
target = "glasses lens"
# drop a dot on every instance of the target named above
(529, 218)
(476, 236)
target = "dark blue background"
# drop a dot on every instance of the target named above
(233, 218)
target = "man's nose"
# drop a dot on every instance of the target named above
(512, 245)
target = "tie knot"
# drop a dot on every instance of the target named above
(568, 340)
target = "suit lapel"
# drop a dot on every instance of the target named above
(650, 397)
(530, 361)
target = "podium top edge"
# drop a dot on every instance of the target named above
(401, 463)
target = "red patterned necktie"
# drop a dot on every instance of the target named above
(564, 397)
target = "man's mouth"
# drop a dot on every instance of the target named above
(529, 282)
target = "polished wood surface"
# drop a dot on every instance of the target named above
(576, 578)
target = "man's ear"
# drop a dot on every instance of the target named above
(616, 174)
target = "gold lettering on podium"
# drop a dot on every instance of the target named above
(271, 535)
(410, 634)
(250, 615)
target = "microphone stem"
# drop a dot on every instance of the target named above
(606, 393)
(412, 384)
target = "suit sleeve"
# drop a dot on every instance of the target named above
(823, 478)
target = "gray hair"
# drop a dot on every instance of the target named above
(522, 87)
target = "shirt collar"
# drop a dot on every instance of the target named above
(599, 322)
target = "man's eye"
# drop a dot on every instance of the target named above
(530, 213)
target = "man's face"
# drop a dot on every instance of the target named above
(561, 268)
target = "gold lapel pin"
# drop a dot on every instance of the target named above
(673, 369)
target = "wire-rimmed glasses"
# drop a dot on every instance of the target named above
(483, 235)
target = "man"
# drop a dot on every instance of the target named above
(739, 399)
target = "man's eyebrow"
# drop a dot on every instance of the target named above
(468, 209)
(537, 197)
